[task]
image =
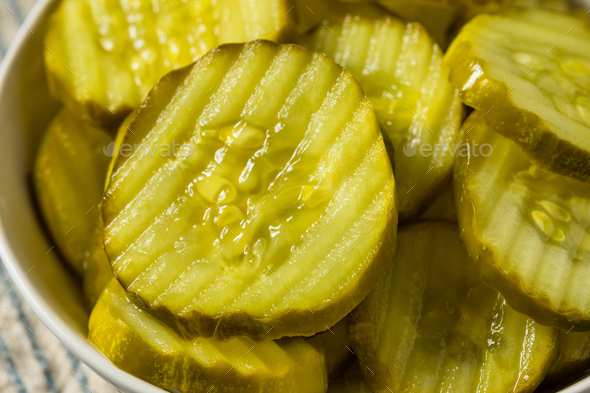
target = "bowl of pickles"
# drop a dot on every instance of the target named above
(304, 196)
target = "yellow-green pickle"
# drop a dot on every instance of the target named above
(431, 325)
(400, 69)
(527, 229)
(102, 57)
(144, 346)
(262, 202)
(68, 176)
(528, 71)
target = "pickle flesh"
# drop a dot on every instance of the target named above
(528, 70)
(103, 56)
(275, 145)
(573, 356)
(528, 229)
(432, 325)
(69, 176)
(146, 348)
(351, 382)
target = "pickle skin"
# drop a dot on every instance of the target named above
(533, 134)
(294, 321)
(158, 356)
(68, 178)
(509, 284)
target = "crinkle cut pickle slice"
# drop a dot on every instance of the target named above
(527, 229)
(68, 176)
(431, 325)
(145, 347)
(103, 56)
(400, 69)
(278, 214)
(529, 71)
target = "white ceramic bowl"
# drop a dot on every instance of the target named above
(51, 291)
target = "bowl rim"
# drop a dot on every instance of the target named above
(81, 348)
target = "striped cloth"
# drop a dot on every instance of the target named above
(32, 359)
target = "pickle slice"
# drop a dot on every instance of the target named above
(336, 347)
(432, 325)
(69, 176)
(528, 70)
(400, 69)
(573, 356)
(443, 209)
(141, 345)
(528, 229)
(103, 56)
(256, 171)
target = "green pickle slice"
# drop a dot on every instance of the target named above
(259, 200)
(143, 346)
(527, 229)
(103, 56)
(400, 69)
(528, 70)
(311, 13)
(432, 325)
(69, 176)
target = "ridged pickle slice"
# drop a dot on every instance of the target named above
(432, 325)
(573, 356)
(336, 347)
(143, 346)
(103, 56)
(400, 69)
(528, 229)
(528, 70)
(69, 176)
(259, 200)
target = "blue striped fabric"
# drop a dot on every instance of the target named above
(32, 360)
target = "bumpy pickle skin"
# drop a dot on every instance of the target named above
(68, 177)
(528, 71)
(527, 229)
(432, 325)
(400, 69)
(279, 174)
(335, 346)
(143, 346)
(102, 57)
(311, 13)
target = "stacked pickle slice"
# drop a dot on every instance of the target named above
(240, 232)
